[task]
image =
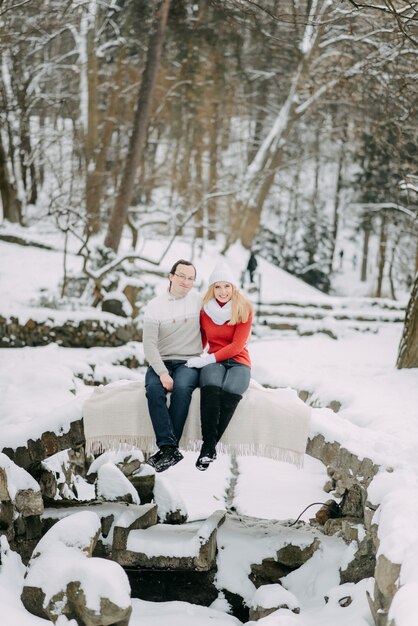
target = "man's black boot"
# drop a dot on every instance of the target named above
(170, 455)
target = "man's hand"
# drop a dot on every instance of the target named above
(166, 381)
(201, 361)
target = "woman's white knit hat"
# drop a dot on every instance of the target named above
(222, 272)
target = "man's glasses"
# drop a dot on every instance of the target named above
(183, 277)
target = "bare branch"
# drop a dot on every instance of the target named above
(382, 206)
(14, 6)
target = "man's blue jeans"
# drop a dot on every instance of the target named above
(168, 423)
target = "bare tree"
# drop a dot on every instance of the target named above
(325, 36)
(11, 204)
(139, 131)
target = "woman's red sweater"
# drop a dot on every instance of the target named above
(226, 342)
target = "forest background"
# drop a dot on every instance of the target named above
(279, 124)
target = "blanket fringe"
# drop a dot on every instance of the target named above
(98, 445)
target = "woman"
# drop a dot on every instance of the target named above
(225, 322)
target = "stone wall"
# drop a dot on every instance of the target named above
(69, 334)
(351, 476)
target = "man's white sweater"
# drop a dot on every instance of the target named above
(172, 329)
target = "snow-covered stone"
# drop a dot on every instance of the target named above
(113, 486)
(190, 546)
(270, 598)
(63, 579)
(171, 507)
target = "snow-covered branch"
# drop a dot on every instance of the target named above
(376, 207)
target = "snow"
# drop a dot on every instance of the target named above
(115, 457)
(264, 498)
(167, 497)
(269, 596)
(112, 484)
(202, 493)
(12, 572)
(165, 540)
(178, 614)
(63, 551)
(17, 478)
(40, 390)
(242, 544)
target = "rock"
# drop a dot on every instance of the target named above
(74, 334)
(6, 515)
(352, 504)
(294, 556)
(137, 518)
(363, 564)
(4, 492)
(387, 578)
(129, 467)
(196, 544)
(128, 461)
(29, 502)
(171, 508)
(47, 483)
(270, 598)
(115, 306)
(63, 579)
(288, 558)
(35, 451)
(266, 572)
(59, 468)
(144, 481)
(21, 505)
(113, 486)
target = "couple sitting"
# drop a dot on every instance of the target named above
(177, 326)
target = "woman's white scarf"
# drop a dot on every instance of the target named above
(217, 313)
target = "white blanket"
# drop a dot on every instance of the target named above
(267, 422)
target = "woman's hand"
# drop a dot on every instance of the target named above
(201, 361)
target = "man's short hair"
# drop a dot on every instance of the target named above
(182, 262)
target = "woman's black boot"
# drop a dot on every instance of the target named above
(210, 399)
(229, 402)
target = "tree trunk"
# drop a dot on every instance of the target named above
(416, 257)
(198, 187)
(408, 347)
(27, 165)
(92, 207)
(252, 215)
(262, 169)
(139, 131)
(213, 165)
(10, 201)
(367, 227)
(382, 254)
(96, 177)
(336, 213)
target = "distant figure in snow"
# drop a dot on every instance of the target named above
(354, 261)
(225, 323)
(341, 255)
(252, 266)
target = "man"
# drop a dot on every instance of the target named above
(171, 336)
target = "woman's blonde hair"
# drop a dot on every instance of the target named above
(242, 308)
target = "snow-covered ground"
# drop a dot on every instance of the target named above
(378, 419)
